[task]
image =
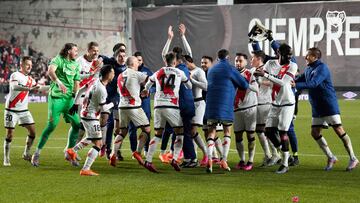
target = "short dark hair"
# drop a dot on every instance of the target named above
(138, 53)
(188, 58)
(117, 46)
(169, 58)
(105, 70)
(66, 48)
(178, 53)
(92, 44)
(316, 52)
(223, 53)
(26, 58)
(208, 57)
(242, 54)
(259, 54)
(117, 52)
(285, 49)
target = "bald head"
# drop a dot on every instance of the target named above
(132, 62)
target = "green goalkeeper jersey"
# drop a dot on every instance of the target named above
(68, 72)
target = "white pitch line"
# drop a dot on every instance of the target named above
(232, 151)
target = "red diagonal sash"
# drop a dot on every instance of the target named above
(240, 94)
(21, 96)
(280, 75)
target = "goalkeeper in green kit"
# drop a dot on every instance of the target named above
(64, 73)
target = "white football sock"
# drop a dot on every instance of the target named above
(324, 147)
(348, 146)
(210, 148)
(251, 148)
(91, 156)
(226, 147)
(240, 150)
(274, 151)
(7, 149)
(152, 148)
(264, 144)
(285, 158)
(117, 144)
(219, 146)
(103, 134)
(178, 144)
(200, 143)
(80, 145)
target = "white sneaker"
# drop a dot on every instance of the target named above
(282, 169)
(352, 164)
(274, 159)
(35, 159)
(6, 162)
(330, 163)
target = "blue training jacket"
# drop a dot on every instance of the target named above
(317, 79)
(186, 98)
(111, 88)
(223, 79)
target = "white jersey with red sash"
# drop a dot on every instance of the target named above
(18, 100)
(87, 67)
(246, 98)
(282, 94)
(129, 84)
(95, 97)
(168, 81)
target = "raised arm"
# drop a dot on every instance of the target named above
(168, 42)
(182, 30)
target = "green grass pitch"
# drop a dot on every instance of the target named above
(56, 181)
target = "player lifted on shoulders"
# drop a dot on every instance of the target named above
(166, 103)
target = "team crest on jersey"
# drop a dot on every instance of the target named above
(336, 18)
